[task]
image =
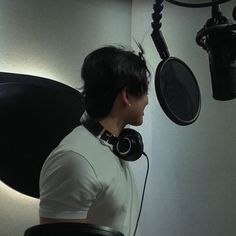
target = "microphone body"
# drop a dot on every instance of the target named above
(222, 60)
(218, 38)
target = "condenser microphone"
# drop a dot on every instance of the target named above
(222, 60)
(218, 38)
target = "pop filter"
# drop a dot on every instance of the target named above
(176, 86)
(177, 91)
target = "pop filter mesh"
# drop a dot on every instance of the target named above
(178, 91)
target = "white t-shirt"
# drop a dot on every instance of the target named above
(83, 179)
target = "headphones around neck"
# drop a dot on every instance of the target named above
(128, 146)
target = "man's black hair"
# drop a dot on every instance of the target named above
(106, 71)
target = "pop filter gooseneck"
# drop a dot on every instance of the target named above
(176, 86)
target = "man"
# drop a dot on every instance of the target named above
(83, 180)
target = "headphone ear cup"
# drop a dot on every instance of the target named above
(129, 146)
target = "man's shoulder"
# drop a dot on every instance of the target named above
(81, 141)
(78, 136)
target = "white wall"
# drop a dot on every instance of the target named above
(51, 38)
(191, 188)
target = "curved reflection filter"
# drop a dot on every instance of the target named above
(36, 113)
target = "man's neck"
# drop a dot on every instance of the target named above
(113, 125)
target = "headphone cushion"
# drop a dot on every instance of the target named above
(130, 145)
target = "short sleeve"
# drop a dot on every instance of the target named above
(68, 186)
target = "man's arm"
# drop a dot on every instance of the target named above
(68, 188)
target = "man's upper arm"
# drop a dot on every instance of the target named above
(68, 187)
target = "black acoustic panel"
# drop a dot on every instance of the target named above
(35, 114)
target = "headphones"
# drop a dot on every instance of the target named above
(128, 146)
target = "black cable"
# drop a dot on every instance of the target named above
(144, 188)
(197, 5)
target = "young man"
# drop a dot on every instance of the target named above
(83, 180)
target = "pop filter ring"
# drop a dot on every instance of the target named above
(163, 100)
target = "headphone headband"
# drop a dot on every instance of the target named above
(97, 129)
(128, 146)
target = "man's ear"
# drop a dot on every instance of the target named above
(125, 97)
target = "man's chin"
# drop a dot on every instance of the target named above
(138, 123)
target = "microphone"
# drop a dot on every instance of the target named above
(218, 38)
